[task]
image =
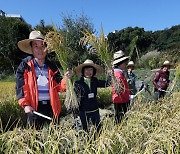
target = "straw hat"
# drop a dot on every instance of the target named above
(78, 69)
(166, 63)
(119, 56)
(131, 63)
(24, 45)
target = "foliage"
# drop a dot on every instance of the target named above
(73, 27)
(177, 73)
(133, 47)
(104, 98)
(164, 40)
(10, 112)
(12, 30)
(150, 59)
(101, 46)
(121, 40)
(44, 29)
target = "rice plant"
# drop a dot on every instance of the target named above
(148, 127)
(56, 41)
(104, 53)
(101, 45)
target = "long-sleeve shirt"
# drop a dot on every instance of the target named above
(161, 79)
(87, 94)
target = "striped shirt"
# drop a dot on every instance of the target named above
(43, 90)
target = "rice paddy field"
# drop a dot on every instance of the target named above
(148, 127)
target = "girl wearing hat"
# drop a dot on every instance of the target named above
(161, 80)
(38, 81)
(86, 90)
(131, 77)
(121, 97)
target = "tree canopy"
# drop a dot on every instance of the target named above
(135, 42)
(12, 30)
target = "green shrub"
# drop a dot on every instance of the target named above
(104, 97)
(177, 73)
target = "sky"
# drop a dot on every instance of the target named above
(113, 15)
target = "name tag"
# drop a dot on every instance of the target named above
(91, 95)
(42, 80)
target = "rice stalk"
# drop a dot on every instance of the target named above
(56, 41)
(104, 53)
(101, 45)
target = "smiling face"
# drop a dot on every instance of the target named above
(88, 72)
(39, 49)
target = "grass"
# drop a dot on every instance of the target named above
(147, 128)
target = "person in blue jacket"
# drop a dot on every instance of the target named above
(131, 78)
(86, 91)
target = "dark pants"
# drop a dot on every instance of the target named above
(85, 117)
(120, 109)
(158, 94)
(44, 107)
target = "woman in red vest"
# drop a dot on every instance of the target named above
(121, 95)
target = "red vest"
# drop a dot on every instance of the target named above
(124, 95)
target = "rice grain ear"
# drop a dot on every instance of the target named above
(56, 41)
(101, 45)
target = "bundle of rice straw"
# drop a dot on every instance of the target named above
(56, 41)
(101, 45)
(105, 55)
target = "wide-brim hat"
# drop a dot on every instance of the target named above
(130, 64)
(25, 46)
(88, 62)
(119, 56)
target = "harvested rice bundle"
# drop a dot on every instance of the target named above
(102, 50)
(56, 41)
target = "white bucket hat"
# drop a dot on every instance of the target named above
(119, 56)
(166, 63)
(25, 46)
(78, 69)
(131, 63)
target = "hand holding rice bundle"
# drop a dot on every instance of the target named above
(56, 41)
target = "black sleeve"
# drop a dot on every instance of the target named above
(58, 77)
(103, 83)
(20, 80)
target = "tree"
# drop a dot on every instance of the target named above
(43, 28)
(73, 28)
(12, 30)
